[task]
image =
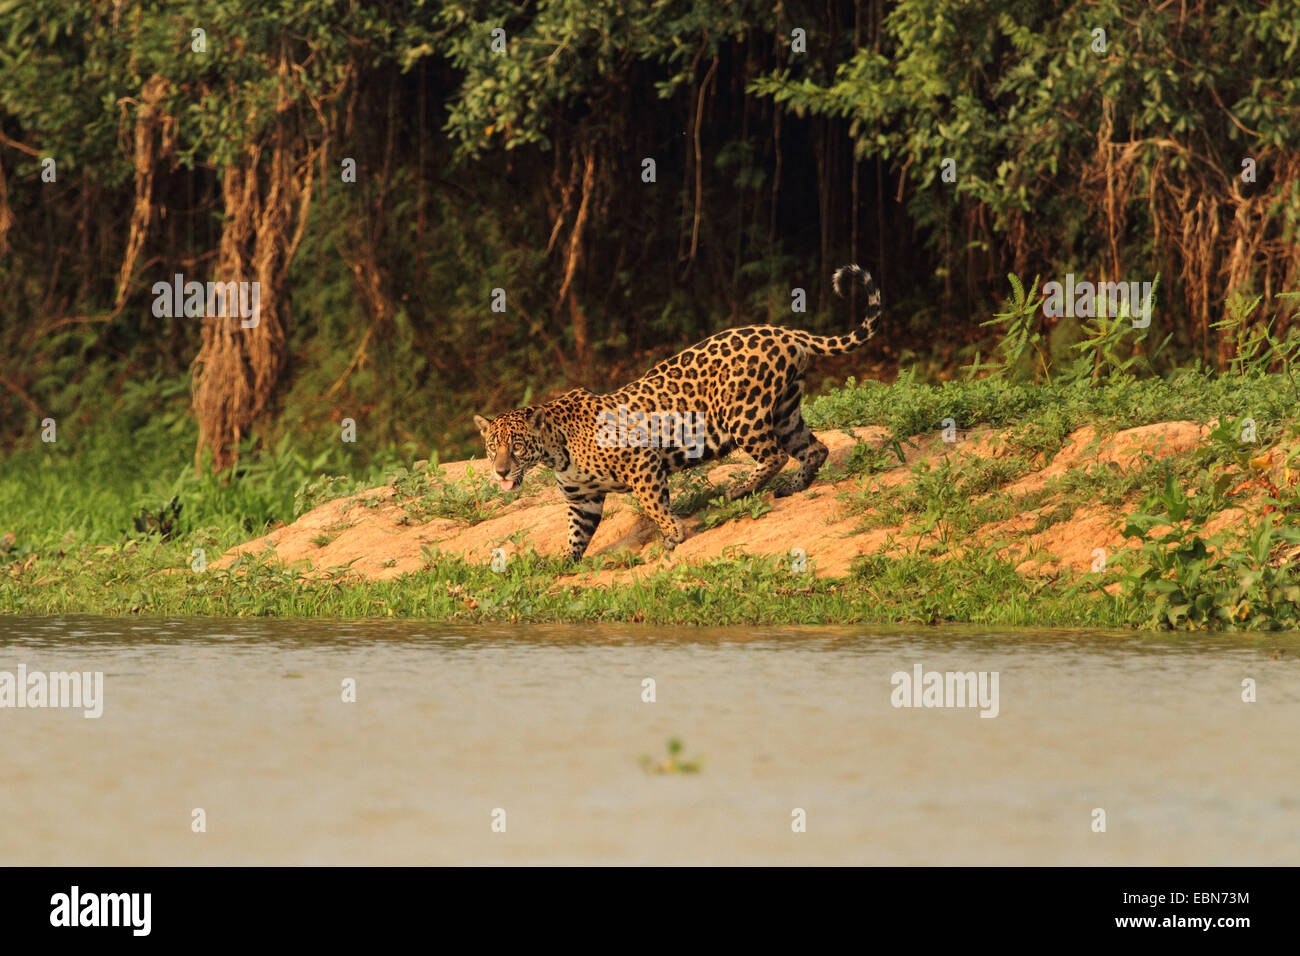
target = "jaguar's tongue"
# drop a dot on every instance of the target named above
(506, 484)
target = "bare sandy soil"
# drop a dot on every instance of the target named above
(373, 535)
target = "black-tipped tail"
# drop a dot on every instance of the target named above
(836, 344)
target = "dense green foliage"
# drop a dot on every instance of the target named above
(786, 139)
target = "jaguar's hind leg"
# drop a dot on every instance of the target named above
(761, 444)
(800, 443)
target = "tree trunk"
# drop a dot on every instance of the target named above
(234, 376)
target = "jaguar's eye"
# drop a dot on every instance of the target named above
(518, 447)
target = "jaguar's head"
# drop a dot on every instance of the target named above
(515, 442)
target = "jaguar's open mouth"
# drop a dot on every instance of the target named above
(507, 484)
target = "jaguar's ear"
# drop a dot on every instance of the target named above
(482, 424)
(539, 421)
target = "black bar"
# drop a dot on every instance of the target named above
(976, 905)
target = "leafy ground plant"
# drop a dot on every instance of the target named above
(426, 493)
(1181, 576)
(674, 763)
(723, 509)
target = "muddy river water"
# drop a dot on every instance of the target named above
(239, 742)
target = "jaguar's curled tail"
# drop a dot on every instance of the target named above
(838, 344)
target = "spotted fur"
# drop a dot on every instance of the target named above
(747, 384)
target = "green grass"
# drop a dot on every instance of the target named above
(1039, 416)
(950, 488)
(88, 487)
(154, 579)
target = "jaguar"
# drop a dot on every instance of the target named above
(737, 389)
